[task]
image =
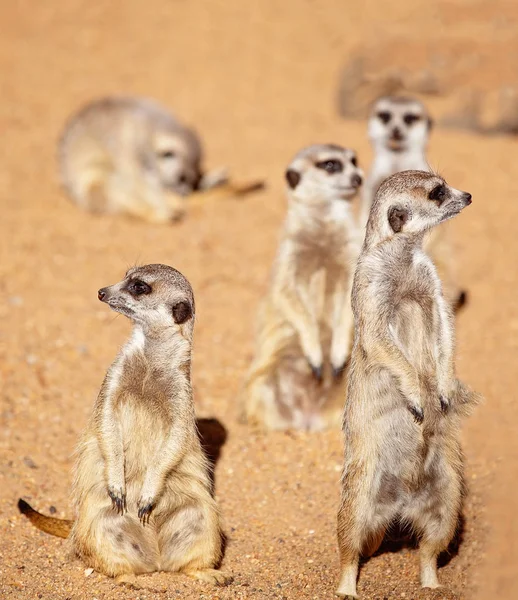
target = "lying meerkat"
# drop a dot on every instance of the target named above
(399, 130)
(129, 155)
(305, 324)
(141, 487)
(403, 459)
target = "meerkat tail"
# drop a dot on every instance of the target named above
(247, 188)
(58, 527)
(224, 191)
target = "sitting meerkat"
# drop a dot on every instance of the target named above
(130, 155)
(399, 130)
(403, 459)
(141, 486)
(305, 324)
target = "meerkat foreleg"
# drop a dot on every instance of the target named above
(393, 359)
(289, 297)
(170, 453)
(342, 327)
(112, 448)
(445, 348)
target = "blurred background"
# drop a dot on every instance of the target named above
(258, 80)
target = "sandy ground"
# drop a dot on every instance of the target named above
(259, 80)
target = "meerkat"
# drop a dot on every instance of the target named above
(141, 485)
(305, 323)
(399, 130)
(130, 155)
(403, 459)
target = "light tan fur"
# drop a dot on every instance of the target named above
(399, 129)
(124, 155)
(403, 459)
(305, 323)
(141, 487)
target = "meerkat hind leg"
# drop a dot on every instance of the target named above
(212, 576)
(349, 575)
(190, 542)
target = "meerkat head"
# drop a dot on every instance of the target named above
(412, 202)
(399, 125)
(177, 157)
(157, 297)
(323, 172)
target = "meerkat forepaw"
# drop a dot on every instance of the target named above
(445, 404)
(340, 370)
(118, 498)
(417, 413)
(144, 509)
(317, 371)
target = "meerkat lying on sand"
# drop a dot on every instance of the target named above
(305, 324)
(403, 459)
(141, 487)
(399, 130)
(129, 155)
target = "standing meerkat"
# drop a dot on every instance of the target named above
(129, 155)
(141, 486)
(403, 459)
(305, 324)
(399, 130)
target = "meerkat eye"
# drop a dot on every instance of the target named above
(138, 287)
(331, 166)
(167, 154)
(384, 116)
(410, 118)
(354, 161)
(438, 193)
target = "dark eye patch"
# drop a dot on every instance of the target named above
(330, 166)
(438, 193)
(410, 118)
(137, 287)
(354, 161)
(181, 312)
(384, 116)
(167, 154)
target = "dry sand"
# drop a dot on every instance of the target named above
(259, 79)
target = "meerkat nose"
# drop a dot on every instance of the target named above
(396, 134)
(467, 198)
(356, 180)
(101, 294)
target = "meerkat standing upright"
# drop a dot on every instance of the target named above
(141, 484)
(305, 324)
(403, 458)
(399, 130)
(130, 155)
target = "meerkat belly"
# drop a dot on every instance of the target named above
(143, 433)
(411, 331)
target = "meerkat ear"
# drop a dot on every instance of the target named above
(397, 217)
(181, 312)
(293, 178)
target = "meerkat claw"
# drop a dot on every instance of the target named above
(445, 404)
(144, 512)
(339, 371)
(417, 413)
(317, 372)
(118, 501)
